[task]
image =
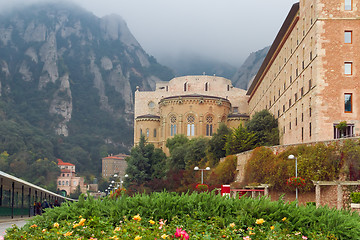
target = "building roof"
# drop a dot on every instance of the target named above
(235, 115)
(273, 49)
(148, 116)
(116, 157)
(61, 163)
(194, 95)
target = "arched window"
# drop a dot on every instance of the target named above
(140, 132)
(63, 183)
(209, 125)
(185, 86)
(190, 125)
(67, 183)
(154, 132)
(147, 132)
(172, 125)
(207, 86)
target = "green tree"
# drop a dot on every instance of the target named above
(240, 140)
(196, 152)
(265, 126)
(145, 163)
(216, 145)
(177, 147)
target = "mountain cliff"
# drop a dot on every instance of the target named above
(250, 67)
(65, 72)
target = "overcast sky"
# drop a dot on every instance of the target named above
(227, 30)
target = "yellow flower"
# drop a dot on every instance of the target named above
(44, 230)
(33, 226)
(272, 227)
(260, 221)
(137, 218)
(251, 233)
(232, 225)
(164, 236)
(283, 219)
(82, 221)
(56, 225)
(68, 234)
(117, 229)
(152, 222)
(137, 237)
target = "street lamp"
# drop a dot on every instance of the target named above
(202, 172)
(292, 157)
(121, 180)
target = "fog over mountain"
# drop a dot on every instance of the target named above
(227, 31)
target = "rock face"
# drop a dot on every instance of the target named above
(79, 68)
(248, 70)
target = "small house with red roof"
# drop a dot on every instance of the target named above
(68, 182)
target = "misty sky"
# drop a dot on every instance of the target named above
(227, 30)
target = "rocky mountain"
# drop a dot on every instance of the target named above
(250, 67)
(65, 72)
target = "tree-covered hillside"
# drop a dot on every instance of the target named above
(67, 80)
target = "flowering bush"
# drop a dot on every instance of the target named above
(187, 216)
(296, 182)
(202, 187)
(117, 193)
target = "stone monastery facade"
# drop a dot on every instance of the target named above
(190, 105)
(308, 81)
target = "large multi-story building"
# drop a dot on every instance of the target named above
(114, 164)
(308, 81)
(190, 105)
(309, 78)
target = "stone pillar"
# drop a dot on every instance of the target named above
(252, 193)
(317, 195)
(339, 196)
(266, 191)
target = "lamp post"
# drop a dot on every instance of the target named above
(292, 157)
(202, 172)
(120, 180)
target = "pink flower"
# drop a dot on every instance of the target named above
(181, 234)
(178, 232)
(161, 222)
(303, 237)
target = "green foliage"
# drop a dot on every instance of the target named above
(351, 159)
(216, 146)
(145, 163)
(355, 197)
(342, 126)
(317, 162)
(265, 126)
(203, 216)
(240, 140)
(224, 172)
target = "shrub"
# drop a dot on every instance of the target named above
(355, 197)
(203, 216)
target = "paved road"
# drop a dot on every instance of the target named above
(5, 225)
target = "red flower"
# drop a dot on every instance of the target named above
(296, 182)
(182, 234)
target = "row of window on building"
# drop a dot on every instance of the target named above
(66, 183)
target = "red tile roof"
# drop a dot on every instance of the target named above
(61, 163)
